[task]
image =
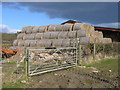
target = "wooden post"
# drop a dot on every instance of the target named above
(94, 51)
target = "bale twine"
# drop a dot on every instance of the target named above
(83, 33)
(15, 43)
(21, 43)
(54, 35)
(35, 29)
(46, 35)
(44, 43)
(24, 29)
(39, 36)
(86, 40)
(59, 27)
(20, 36)
(29, 30)
(57, 42)
(72, 34)
(42, 29)
(63, 35)
(66, 43)
(67, 27)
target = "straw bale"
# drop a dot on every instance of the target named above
(57, 42)
(54, 35)
(39, 36)
(67, 27)
(86, 40)
(83, 33)
(72, 34)
(42, 29)
(63, 35)
(66, 43)
(20, 36)
(15, 43)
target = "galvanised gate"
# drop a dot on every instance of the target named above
(45, 60)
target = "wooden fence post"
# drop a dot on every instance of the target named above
(94, 51)
(79, 54)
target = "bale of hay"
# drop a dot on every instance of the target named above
(51, 27)
(107, 40)
(86, 40)
(33, 43)
(63, 35)
(31, 36)
(67, 27)
(20, 36)
(66, 43)
(100, 34)
(72, 34)
(54, 35)
(15, 43)
(39, 36)
(44, 43)
(97, 34)
(59, 27)
(24, 29)
(21, 43)
(35, 29)
(26, 37)
(81, 26)
(27, 43)
(77, 26)
(83, 33)
(29, 30)
(42, 29)
(57, 42)
(46, 35)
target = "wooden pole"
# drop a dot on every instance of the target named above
(94, 51)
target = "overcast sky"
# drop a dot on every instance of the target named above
(18, 15)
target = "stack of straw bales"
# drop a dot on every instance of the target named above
(59, 35)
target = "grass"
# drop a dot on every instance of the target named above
(106, 64)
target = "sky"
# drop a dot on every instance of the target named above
(16, 15)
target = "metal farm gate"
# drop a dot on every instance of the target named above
(45, 60)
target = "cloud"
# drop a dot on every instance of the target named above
(7, 29)
(90, 12)
(112, 25)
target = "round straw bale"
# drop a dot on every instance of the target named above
(26, 37)
(42, 29)
(59, 27)
(29, 30)
(66, 43)
(63, 35)
(91, 28)
(54, 35)
(86, 40)
(21, 43)
(36, 29)
(77, 26)
(15, 43)
(25, 28)
(100, 34)
(46, 35)
(67, 27)
(44, 43)
(107, 40)
(51, 28)
(83, 33)
(39, 36)
(31, 36)
(21, 35)
(72, 34)
(57, 42)
(33, 43)
(27, 43)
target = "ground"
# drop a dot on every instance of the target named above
(101, 74)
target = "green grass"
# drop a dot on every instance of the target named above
(106, 64)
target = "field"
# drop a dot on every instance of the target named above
(7, 39)
(101, 74)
